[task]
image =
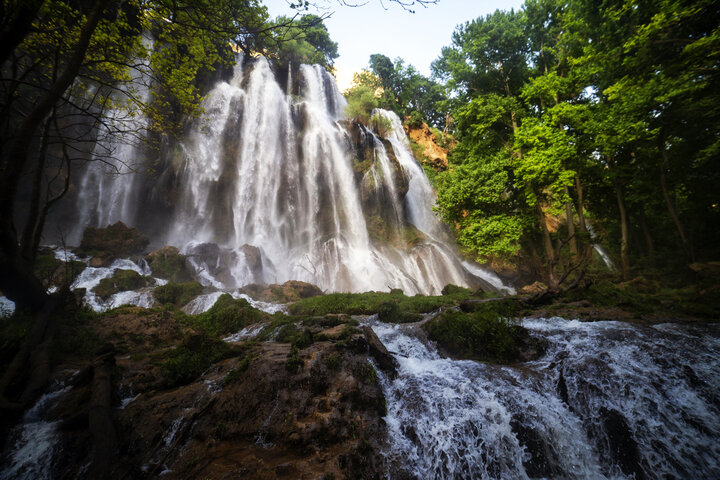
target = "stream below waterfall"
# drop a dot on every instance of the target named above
(607, 400)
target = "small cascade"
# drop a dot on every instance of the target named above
(35, 441)
(268, 187)
(608, 400)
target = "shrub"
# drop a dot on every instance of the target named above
(415, 119)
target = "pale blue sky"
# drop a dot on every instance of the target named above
(417, 38)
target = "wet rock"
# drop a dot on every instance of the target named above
(623, 448)
(542, 461)
(383, 358)
(253, 257)
(216, 261)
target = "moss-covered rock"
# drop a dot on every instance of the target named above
(369, 303)
(483, 336)
(122, 280)
(290, 291)
(177, 294)
(114, 241)
(228, 315)
(169, 264)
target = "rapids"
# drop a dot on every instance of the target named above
(608, 400)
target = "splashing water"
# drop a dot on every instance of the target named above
(608, 400)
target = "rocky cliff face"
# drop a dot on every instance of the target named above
(434, 153)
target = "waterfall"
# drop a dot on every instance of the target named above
(608, 400)
(268, 186)
(109, 187)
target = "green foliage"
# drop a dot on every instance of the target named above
(304, 40)
(332, 361)
(189, 360)
(361, 102)
(122, 280)
(177, 294)
(482, 335)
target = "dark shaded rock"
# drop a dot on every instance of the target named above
(382, 357)
(253, 257)
(623, 448)
(215, 260)
(543, 462)
(114, 241)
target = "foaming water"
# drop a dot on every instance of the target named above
(608, 400)
(35, 442)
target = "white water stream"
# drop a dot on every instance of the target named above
(609, 400)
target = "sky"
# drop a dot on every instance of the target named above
(416, 37)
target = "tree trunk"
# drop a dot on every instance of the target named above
(17, 26)
(671, 209)
(571, 225)
(102, 429)
(549, 250)
(649, 244)
(624, 245)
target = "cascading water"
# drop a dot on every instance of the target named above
(608, 400)
(267, 187)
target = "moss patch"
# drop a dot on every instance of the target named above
(392, 305)
(195, 355)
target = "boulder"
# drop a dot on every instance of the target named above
(114, 241)
(290, 291)
(169, 264)
(385, 361)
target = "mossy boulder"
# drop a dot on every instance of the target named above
(483, 336)
(290, 291)
(169, 264)
(122, 280)
(114, 241)
(228, 315)
(177, 294)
